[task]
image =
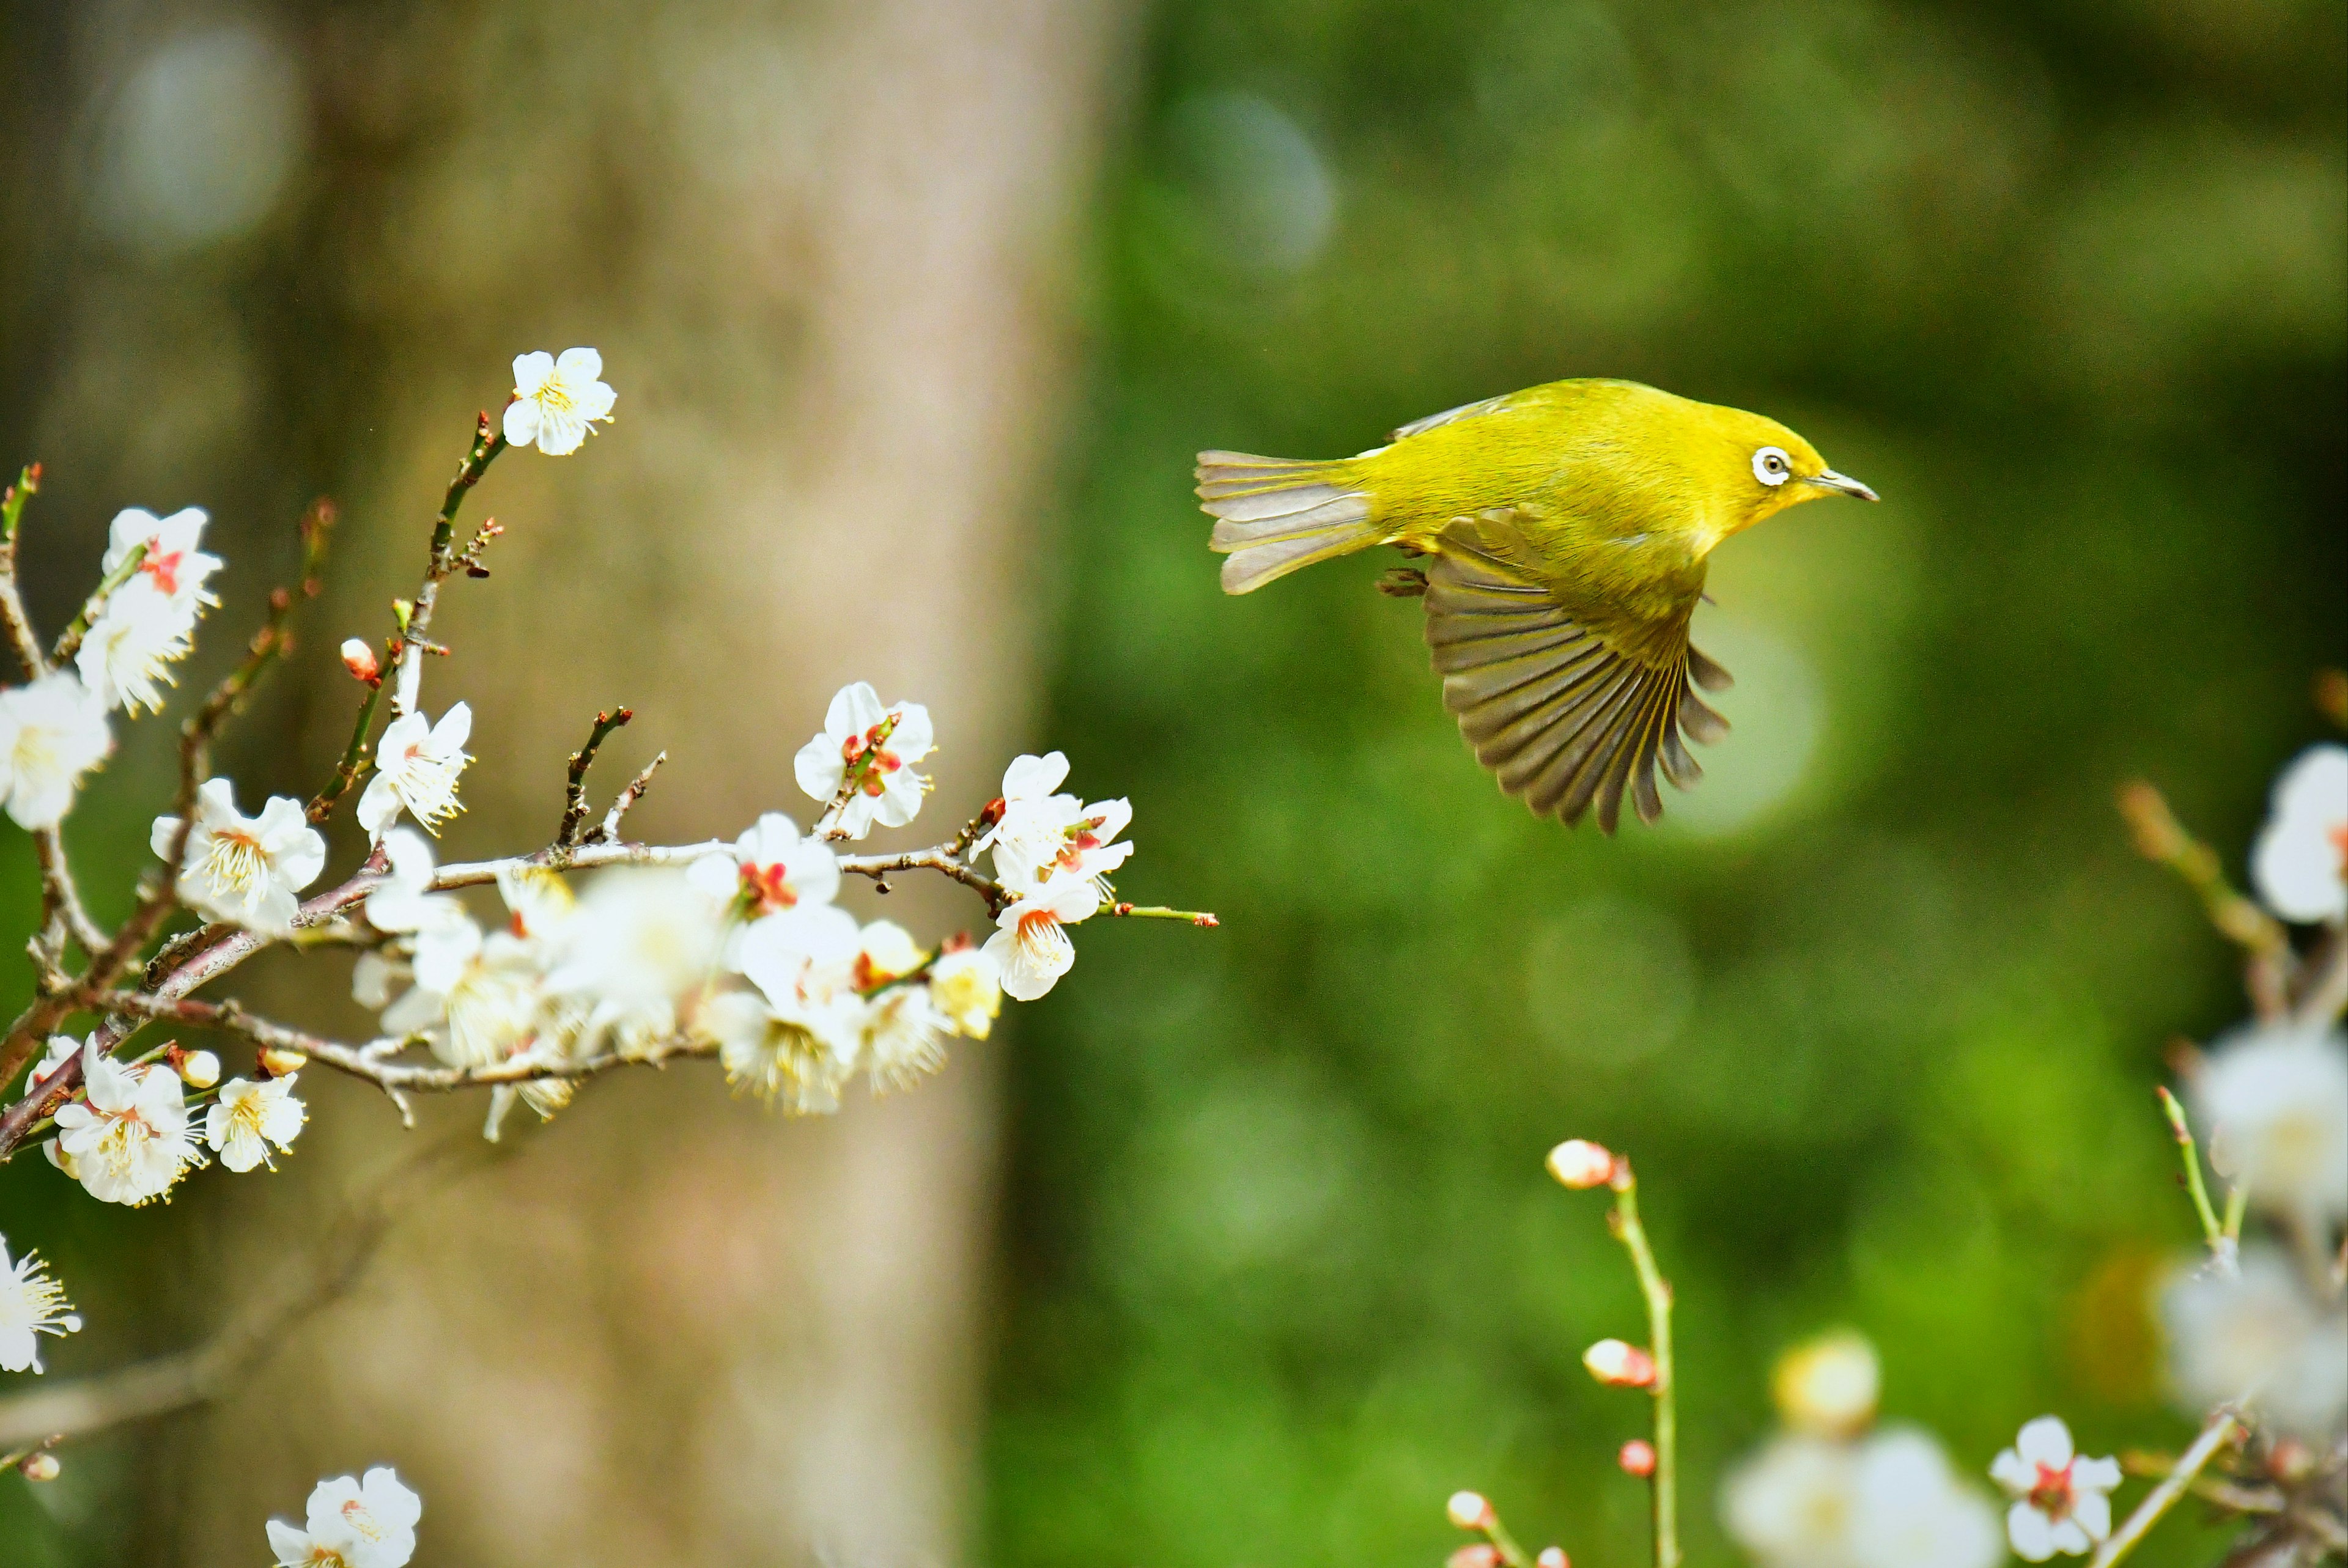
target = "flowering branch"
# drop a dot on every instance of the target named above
(21, 635)
(488, 442)
(2162, 839)
(574, 806)
(1623, 1222)
(2223, 1426)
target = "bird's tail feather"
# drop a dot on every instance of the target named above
(1274, 515)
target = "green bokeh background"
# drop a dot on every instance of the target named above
(1877, 1010)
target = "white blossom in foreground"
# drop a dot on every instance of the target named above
(366, 1522)
(903, 1033)
(1827, 1386)
(868, 751)
(128, 1139)
(966, 987)
(51, 733)
(796, 1051)
(125, 658)
(1043, 835)
(2261, 1330)
(246, 870)
(31, 1305)
(1031, 945)
(417, 767)
(2062, 1501)
(250, 1116)
(2275, 1099)
(404, 902)
(556, 402)
(172, 566)
(1911, 1510)
(642, 945)
(2300, 863)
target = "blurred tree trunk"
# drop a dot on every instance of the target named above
(827, 253)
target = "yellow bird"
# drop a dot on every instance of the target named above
(1570, 526)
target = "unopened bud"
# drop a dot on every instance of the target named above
(1618, 1365)
(1552, 1557)
(201, 1069)
(1469, 1511)
(1580, 1164)
(1483, 1554)
(1637, 1458)
(277, 1061)
(2291, 1461)
(360, 659)
(39, 1466)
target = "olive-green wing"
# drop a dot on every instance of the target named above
(1568, 715)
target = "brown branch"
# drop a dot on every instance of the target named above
(574, 797)
(202, 1373)
(442, 560)
(2266, 947)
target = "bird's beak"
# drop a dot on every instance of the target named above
(1842, 484)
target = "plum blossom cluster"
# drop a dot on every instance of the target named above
(524, 976)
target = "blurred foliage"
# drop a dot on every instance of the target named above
(1879, 1008)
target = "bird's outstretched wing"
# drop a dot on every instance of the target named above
(1567, 713)
(1464, 411)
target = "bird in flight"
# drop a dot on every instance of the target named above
(1566, 529)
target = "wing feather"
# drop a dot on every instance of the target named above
(1569, 718)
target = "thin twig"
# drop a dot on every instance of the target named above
(70, 640)
(488, 442)
(2266, 947)
(1160, 912)
(574, 797)
(2223, 1425)
(355, 755)
(25, 641)
(1657, 1291)
(610, 832)
(2218, 1234)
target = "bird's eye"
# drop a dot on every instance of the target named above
(1771, 467)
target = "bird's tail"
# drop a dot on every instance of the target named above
(1274, 514)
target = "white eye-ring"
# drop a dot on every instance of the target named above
(1771, 466)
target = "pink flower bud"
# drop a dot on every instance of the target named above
(1552, 1557)
(1479, 1555)
(360, 660)
(1579, 1164)
(1469, 1511)
(1620, 1365)
(39, 1467)
(1637, 1458)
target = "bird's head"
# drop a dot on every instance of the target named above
(1760, 468)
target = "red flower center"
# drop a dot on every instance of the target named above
(2052, 1495)
(866, 763)
(164, 569)
(768, 888)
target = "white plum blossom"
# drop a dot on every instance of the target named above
(966, 987)
(31, 1304)
(128, 1139)
(245, 870)
(125, 658)
(52, 732)
(866, 749)
(640, 947)
(250, 1116)
(353, 1523)
(1031, 946)
(904, 1038)
(1042, 834)
(2275, 1099)
(773, 873)
(557, 401)
(2300, 860)
(417, 767)
(172, 566)
(2061, 1500)
(404, 902)
(1911, 1509)
(2260, 1328)
(797, 1054)
(1790, 1504)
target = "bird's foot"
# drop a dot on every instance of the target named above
(1402, 582)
